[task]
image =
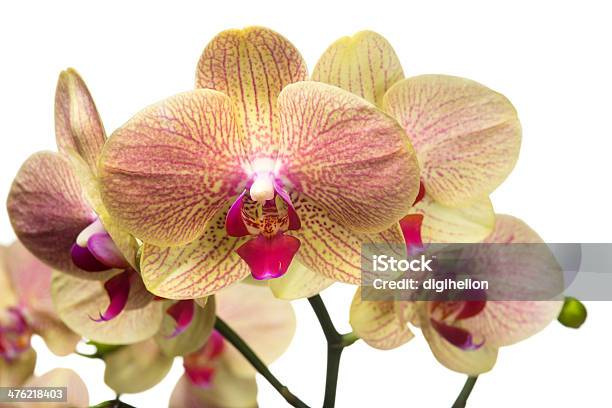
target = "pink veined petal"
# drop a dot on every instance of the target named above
(456, 336)
(182, 312)
(411, 229)
(48, 209)
(294, 219)
(234, 224)
(167, 171)
(346, 156)
(118, 290)
(269, 257)
(84, 259)
(102, 247)
(252, 66)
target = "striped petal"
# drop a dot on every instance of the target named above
(466, 135)
(347, 156)
(170, 168)
(190, 338)
(378, 324)
(77, 124)
(48, 210)
(364, 64)
(268, 335)
(76, 393)
(136, 367)
(77, 300)
(252, 66)
(503, 323)
(226, 391)
(299, 282)
(198, 269)
(327, 248)
(443, 224)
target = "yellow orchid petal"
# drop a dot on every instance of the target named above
(299, 282)
(194, 336)
(168, 170)
(268, 335)
(252, 66)
(78, 300)
(77, 394)
(91, 187)
(378, 324)
(443, 224)
(347, 156)
(226, 391)
(77, 124)
(327, 248)
(467, 136)
(48, 209)
(136, 368)
(364, 64)
(503, 323)
(16, 372)
(195, 270)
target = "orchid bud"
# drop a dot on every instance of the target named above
(573, 314)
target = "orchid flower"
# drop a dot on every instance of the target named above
(56, 212)
(217, 375)
(26, 309)
(466, 136)
(464, 335)
(467, 139)
(253, 169)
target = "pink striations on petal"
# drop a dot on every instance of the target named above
(103, 248)
(118, 290)
(234, 224)
(456, 336)
(269, 257)
(411, 229)
(182, 312)
(84, 259)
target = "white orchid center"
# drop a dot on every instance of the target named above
(93, 228)
(262, 188)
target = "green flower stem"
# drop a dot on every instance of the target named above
(116, 403)
(336, 342)
(248, 353)
(465, 392)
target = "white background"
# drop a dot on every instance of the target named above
(551, 59)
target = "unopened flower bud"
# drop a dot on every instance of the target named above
(573, 314)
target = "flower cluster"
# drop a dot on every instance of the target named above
(258, 187)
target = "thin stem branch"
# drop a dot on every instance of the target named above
(248, 353)
(336, 342)
(465, 392)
